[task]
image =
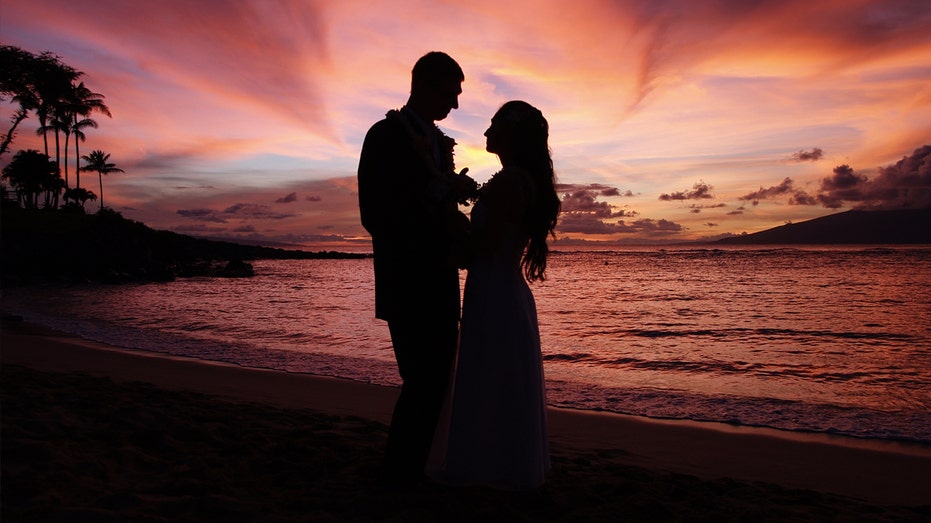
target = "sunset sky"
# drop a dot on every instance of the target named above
(669, 120)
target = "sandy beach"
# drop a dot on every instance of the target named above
(98, 433)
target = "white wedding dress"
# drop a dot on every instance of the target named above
(493, 431)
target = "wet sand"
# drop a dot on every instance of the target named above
(98, 433)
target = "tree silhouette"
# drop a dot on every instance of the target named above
(48, 81)
(77, 197)
(99, 161)
(36, 83)
(77, 129)
(44, 85)
(14, 83)
(17, 68)
(81, 102)
(33, 174)
(59, 124)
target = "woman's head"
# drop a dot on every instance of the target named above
(519, 135)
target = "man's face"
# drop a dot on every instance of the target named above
(443, 97)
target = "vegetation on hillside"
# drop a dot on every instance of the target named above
(46, 233)
(45, 87)
(40, 245)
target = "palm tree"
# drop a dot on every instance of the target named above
(98, 161)
(53, 188)
(37, 83)
(51, 82)
(61, 124)
(83, 103)
(57, 121)
(78, 131)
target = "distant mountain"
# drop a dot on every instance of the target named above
(911, 226)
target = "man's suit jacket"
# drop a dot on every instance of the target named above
(409, 221)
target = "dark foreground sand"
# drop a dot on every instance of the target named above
(95, 433)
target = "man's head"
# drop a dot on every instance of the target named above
(436, 83)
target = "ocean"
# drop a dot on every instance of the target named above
(825, 339)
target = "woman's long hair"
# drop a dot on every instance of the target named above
(531, 152)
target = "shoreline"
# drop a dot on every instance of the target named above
(900, 446)
(875, 471)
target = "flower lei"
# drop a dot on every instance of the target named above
(446, 145)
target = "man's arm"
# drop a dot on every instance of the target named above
(374, 177)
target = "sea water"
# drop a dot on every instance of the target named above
(815, 339)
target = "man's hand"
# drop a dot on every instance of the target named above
(463, 187)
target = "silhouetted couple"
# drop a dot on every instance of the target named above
(476, 415)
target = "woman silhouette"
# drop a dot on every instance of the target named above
(494, 430)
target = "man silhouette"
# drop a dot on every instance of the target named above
(408, 191)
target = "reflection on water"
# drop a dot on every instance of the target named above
(805, 339)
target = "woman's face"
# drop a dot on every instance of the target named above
(497, 136)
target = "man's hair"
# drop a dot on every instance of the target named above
(433, 67)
